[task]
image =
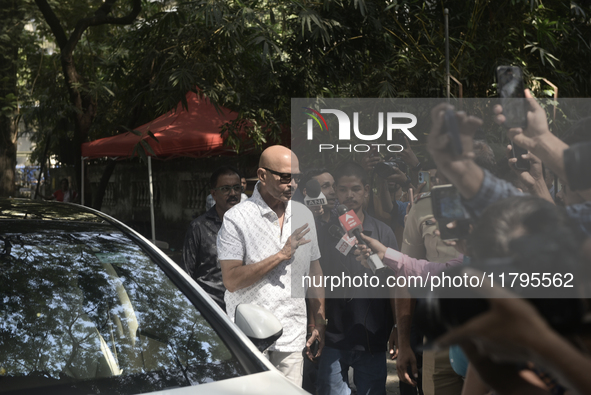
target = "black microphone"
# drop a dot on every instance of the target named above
(350, 222)
(314, 196)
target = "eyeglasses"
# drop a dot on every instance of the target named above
(225, 189)
(285, 178)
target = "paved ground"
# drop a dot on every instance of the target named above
(392, 380)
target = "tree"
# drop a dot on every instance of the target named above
(11, 13)
(82, 101)
(254, 56)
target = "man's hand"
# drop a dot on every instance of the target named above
(293, 242)
(537, 137)
(317, 211)
(460, 245)
(537, 124)
(408, 156)
(406, 358)
(535, 173)
(393, 343)
(370, 160)
(317, 334)
(534, 178)
(398, 177)
(438, 141)
(460, 170)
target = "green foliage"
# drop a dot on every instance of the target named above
(254, 56)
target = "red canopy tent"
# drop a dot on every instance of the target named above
(193, 132)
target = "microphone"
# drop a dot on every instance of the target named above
(346, 243)
(350, 222)
(314, 196)
(352, 225)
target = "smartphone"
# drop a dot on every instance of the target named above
(314, 347)
(511, 91)
(450, 126)
(517, 151)
(425, 177)
(447, 207)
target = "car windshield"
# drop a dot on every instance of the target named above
(85, 310)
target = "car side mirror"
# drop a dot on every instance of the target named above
(258, 324)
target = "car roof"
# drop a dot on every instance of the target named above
(42, 210)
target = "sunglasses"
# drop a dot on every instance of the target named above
(227, 188)
(285, 178)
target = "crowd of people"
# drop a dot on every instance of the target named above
(251, 250)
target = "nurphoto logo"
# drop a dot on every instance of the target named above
(391, 119)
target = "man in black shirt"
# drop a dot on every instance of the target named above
(200, 254)
(359, 320)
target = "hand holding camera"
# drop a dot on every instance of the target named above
(371, 159)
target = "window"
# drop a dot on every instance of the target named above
(83, 307)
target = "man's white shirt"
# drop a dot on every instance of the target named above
(251, 233)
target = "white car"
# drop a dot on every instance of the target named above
(89, 306)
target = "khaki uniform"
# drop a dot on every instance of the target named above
(420, 241)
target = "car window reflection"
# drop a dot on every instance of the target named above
(90, 309)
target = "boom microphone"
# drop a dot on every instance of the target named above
(314, 196)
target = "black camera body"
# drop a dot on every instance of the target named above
(386, 169)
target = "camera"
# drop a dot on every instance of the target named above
(386, 169)
(448, 307)
(577, 164)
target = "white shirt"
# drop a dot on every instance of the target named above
(250, 233)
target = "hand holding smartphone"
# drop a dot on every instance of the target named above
(450, 126)
(512, 94)
(447, 207)
(516, 152)
(425, 177)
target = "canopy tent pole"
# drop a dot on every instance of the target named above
(82, 186)
(447, 74)
(150, 184)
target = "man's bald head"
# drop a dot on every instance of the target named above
(278, 157)
(277, 163)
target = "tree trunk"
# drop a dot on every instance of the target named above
(84, 103)
(97, 199)
(7, 156)
(12, 27)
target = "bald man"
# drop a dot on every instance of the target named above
(262, 246)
